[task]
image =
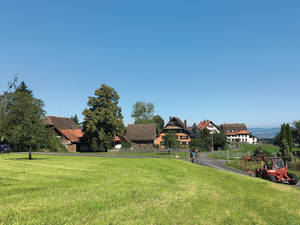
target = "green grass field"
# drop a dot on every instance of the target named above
(90, 190)
(164, 154)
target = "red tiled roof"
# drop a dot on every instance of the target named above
(203, 124)
(238, 132)
(65, 126)
(72, 135)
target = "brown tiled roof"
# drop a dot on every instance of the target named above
(235, 128)
(66, 126)
(141, 132)
(180, 123)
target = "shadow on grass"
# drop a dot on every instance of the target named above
(25, 159)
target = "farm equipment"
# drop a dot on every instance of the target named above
(276, 171)
(273, 168)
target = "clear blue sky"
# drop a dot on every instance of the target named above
(227, 61)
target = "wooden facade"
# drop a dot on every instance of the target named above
(177, 127)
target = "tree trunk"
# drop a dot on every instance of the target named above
(30, 156)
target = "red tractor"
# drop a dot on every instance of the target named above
(275, 170)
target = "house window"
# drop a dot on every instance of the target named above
(184, 137)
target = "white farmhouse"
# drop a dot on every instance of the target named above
(238, 132)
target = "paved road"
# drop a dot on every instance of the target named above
(204, 160)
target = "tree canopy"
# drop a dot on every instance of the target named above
(155, 119)
(296, 132)
(21, 116)
(196, 133)
(142, 111)
(75, 119)
(103, 119)
(170, 140)
(285, 142)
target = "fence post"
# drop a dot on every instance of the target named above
(227, 156)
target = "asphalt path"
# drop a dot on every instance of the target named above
(204, 160)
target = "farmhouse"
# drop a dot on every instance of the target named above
(209, 125)
(238, 132)
(175, 125)
(143, 135)
(66, 130)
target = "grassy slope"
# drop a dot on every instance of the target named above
(244, 150)
(86, 190)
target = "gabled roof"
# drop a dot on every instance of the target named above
(203, 124)
(141, 132)
(235, 128)
(176, 123)
(66, 126)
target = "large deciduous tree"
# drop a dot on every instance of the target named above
(103, 119)
(142, 111)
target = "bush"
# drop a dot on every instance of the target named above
(155, 146)
(53, 144)
(126, 145)
(198, 143)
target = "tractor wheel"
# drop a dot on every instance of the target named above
(294, 179)
(272, 178)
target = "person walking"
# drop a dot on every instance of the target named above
(192, 156)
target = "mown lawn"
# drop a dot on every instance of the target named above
(165, 154)
(90, 190)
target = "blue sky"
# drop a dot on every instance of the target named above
(227, 61)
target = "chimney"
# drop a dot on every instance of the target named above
(184, 122)
(170, 117)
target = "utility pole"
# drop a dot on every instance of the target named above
(212, 141)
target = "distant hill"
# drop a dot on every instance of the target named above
(264, 132)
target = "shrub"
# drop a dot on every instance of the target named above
(126, 145)
(155, 146)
